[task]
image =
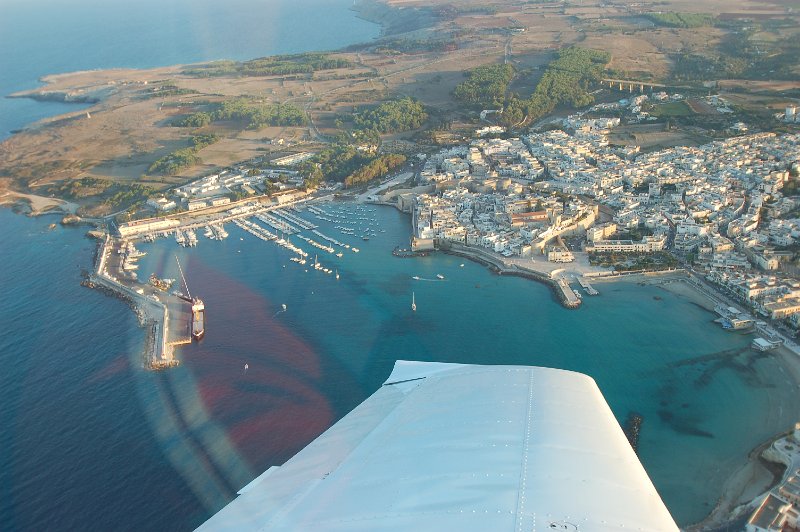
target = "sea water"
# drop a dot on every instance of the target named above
(90, 439)
(706, 398)
(41, 37)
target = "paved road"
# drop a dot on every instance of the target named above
(712, 292)
(374, 191)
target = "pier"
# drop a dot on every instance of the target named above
(256, 230)
(166, 317)
(560, 287)
(588, 287)
(278, 225)
(300, 222)
(567, 295)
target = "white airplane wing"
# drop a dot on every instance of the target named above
(461, 447)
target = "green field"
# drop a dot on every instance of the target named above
(666, 110)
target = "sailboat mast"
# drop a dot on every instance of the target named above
(182, 277)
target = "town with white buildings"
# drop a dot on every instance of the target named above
(719, 207)
(722, 207)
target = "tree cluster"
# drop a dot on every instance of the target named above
(183, 157)
(485, 86)
(377, 168)
(334, 163)
(167, 89)
(566, 81)
(254, 113)
(413, 46)
(199, 142)
(345, 163)
(260, 114)
(390, 117)
(270, 66)
(193, 120)
(79, 188)
(133, 193)
(174, 162)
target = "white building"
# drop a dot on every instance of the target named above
(162, 204)
(648, 244)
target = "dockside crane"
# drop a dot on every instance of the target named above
(198, 307)
(185, 285)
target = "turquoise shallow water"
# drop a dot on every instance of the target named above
(91, 440)
(649, 350)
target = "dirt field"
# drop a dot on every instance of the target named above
(128, 128)
(653, 137)
(700, 107)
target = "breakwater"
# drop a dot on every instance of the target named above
(559, 287)
(152, 314)
(632, 429)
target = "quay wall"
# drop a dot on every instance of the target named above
(611, 276)
(498, 266)
(188, 219)
(152, 314)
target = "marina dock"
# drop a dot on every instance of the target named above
(568, 296)
(588, 287)
(166, 317)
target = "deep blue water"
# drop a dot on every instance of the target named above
(77, 446)
(90, 440)
(40, 37)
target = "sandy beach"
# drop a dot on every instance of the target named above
(747, 483)
(38, 204)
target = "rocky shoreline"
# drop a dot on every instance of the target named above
(394, 21)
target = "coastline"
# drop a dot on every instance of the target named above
(37, 205)
(738, 489)
(115, 98)
(393, 21)
(747, 484)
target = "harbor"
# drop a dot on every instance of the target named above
(170, 314)
(242, 302)
(167, 317)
